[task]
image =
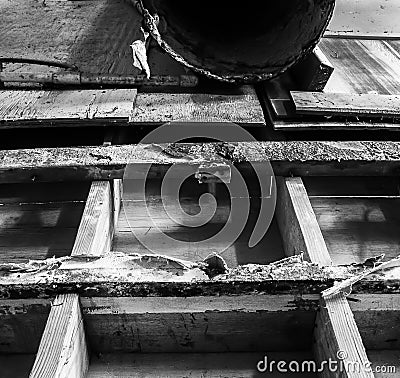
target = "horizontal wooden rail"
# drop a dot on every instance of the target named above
(287, 158)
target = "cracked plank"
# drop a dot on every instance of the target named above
(69, 107)
(287, 158)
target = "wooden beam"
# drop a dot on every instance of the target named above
(361, 125)
(298, 224)
(362, 105)
(377, 317)
(298, 158)
(363, 66)
(63, 350)
(243, 108)
(313, 72)
(337, 338)
(200, 324)
(97, 225)
(66, 107)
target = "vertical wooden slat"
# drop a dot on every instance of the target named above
(298, 224)
(63, 350)
(337, 338)
(96, 229)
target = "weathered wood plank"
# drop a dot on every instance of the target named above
(193, 365)
(118, 274)
(358, 228)
(377, 317)
(96, 229)
(199, 324)
(160, 108)
(157, 224)
(313, 72)
(362, 66)
(287, 158)
(362, 105)
(298, 224)
(337, 338)
(21, 325)
(68, 106)
(63, 350)
(367, 125)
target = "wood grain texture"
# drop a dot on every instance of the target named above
(200, 324)
(63, 350)
(162, 225)
(95, 35)
(108, 105)
(377, 317)
(296, 158)
(21, 325)
(358, 228)
(96, 229)
(196, 107)
(298, 224)
(194, 365)
(38, 230)
(336, 335)
(361, 125)
(39, 221)
(362, 105)
(363, 66)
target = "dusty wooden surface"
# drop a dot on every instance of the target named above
(38, 222)
(355, 229)
(200, 324)
(159, 224)
(185, 107)
(370, 312)
(298, 158)
(362, 105)
(94, 35)
(298, 224)
(337, 338)
(196, 365)
(363, 66)
(63, 350)
(107, 105)
(118, 274)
